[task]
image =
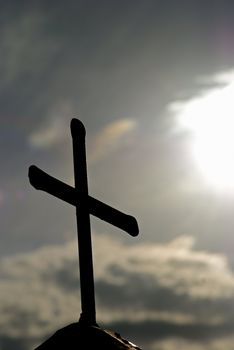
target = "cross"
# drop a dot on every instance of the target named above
(78, 196)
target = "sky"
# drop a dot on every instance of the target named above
(153, 83)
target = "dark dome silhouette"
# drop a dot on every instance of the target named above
(80, 337)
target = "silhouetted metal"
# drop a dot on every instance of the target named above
(85, 205)
(78, 336)
(88, 314)
(44, 182)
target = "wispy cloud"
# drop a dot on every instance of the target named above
(224, 343)
(111, 137)
(213, 97)
(53, 130)
(170, 286)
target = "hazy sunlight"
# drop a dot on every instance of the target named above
(210, 119)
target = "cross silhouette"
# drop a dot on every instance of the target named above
(85, 205)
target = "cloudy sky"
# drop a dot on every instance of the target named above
(153, 82)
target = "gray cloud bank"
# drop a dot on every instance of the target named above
(159, 295)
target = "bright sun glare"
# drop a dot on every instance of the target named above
(210, 120)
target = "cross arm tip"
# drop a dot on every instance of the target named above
(33, 174)
(31, 171)
(77, 128)
(133, 227)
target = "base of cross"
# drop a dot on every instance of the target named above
(80, 337)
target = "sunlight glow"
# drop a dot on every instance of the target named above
(210, 120)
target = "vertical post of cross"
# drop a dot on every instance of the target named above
(88, 314)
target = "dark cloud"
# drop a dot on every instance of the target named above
(142, 294)
(149, 331)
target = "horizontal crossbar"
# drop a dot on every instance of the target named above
(44, 182)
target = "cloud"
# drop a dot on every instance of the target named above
(54, 130)
(223, 77)
(207, 120)
(111, 137)
(182, 344)
(147, 291)
(26, 49)
(212, 101)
